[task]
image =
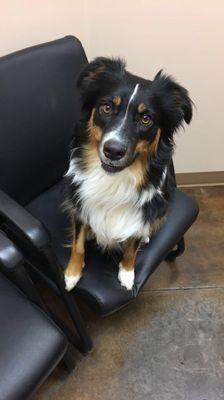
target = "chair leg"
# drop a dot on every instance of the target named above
(172, 255)
(68, 360)
(25, 283)
(68, 298)
(82, 341)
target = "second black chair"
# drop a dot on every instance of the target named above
(31, 345)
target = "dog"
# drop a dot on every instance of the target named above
(119, 177)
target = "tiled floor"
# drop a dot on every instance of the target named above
(169, 343)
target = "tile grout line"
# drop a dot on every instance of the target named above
(184, 288)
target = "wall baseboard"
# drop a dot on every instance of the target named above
(200, 178)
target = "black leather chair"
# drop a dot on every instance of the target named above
(38, 106)
(31, 345)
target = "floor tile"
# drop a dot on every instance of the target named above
(202, 264)
(167, 345)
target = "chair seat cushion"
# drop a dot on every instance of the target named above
(30, 344)
(99, 285)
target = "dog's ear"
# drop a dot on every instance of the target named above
(172, 101)
(99, 73)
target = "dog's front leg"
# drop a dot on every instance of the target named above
(76, 263)
(126, 273)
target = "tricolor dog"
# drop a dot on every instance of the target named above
(119, 176)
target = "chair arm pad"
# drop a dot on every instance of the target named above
(23, 222)
(10, 257)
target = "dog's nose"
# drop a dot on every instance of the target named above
(114, 150)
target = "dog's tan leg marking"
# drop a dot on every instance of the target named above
(126, 273)
(76, 263)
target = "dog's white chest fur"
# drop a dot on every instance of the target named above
(109, 204)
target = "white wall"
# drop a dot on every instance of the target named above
(185, 37)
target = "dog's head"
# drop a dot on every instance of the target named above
(129, 116)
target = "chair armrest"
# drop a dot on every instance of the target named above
(10, 257)
(23, 222)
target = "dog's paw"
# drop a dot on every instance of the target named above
(71, 281)
(125, 277)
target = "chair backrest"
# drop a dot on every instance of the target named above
(39, 104)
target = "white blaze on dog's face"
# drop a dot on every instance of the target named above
(114, 146)
(127, 114)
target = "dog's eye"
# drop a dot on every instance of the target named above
(146, 120)
(106, 108)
